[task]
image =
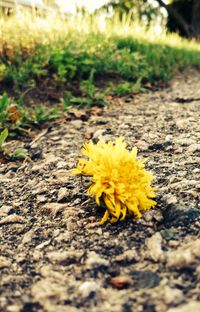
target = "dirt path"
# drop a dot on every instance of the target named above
(54, 255)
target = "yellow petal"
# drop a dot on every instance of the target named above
(105, 217)
(123, 212)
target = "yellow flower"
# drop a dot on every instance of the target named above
(119, 179)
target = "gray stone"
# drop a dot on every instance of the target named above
(185, 142)
(63, 193)
(94, 260)
(14, 218)
(187, 307)
(77, 123)
(128, 256)
(64, 257)
(142, 145)
(154, 247)
(185, 256)
(145, 279)
(4, 210)
(193, 148)
(4, 262)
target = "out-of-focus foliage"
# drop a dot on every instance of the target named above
(81, 50)
(16, 117)
(82, 60)
(144, 10)
(183, 16)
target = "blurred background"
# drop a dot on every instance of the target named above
(182, 16)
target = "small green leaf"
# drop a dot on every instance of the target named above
(3, 103)
(3, 137)
(20, 153)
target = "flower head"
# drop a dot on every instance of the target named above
(119, 179)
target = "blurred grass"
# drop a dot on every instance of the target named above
(69, 49)
(74, 54)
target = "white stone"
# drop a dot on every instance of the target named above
(60, 256)
(142, 145)
(41, 199)
(4, 210)
(169, 138)
(14, 218)
(184, 184)
(61, 164)
(170, 199)
(94, 260)
(77, 123)
(172, 295)
(37, 168)
(4, 262)
(154, 247)
(53, 208)
(87, 288)
(98, 134)
(61, 176)
(51, 159)
(182, 123)
(191, 306)
(42, 245)
(193, 148)
(62, 193)
(185, 255)
(185, 142)
(13, 308)
(27, 237)
(196, 170)
(128, 255)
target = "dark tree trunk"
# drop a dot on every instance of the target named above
(195, 22)
(184, 17)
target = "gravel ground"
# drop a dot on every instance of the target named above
(54, 254)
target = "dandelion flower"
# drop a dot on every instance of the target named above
(118, 179)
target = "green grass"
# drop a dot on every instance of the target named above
(17, 154)
(81, 60)
(17, 117)
(125, 57)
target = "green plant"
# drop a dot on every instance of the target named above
(126, 88)
(3, 137)
(4, 110)
(42, 113)
(66, 100)
(17, 117)
(53, 54)
(87, 86)
(122, 89)
(20, 153)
